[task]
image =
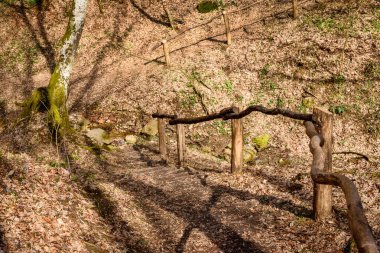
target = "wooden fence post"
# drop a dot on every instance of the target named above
(322, 200)
(180, 145)
(166, 51)
(162, 139)
(237, 145)
(295, 9)
(228, 29)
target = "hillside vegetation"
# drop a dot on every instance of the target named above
(52, 195)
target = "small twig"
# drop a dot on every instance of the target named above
(365, 157)
(309, 93)
(200, 95)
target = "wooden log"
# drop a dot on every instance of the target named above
(162, 139)
(269, 111)
(180, 145)
(237, 146)
(359, 226)
(322, 201)
(163, 116)
(205, 118)
(231, 113)
(165, 45)
(228, 28)
(295, 9)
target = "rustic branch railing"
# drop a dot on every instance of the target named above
(319, 129)
(274, 111)
(165, 43)
(232, 113)
(359, 226)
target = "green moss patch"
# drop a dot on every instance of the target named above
(207, 6)
(261, 142)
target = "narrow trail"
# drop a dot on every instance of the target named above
(179, 205)
(153, 206)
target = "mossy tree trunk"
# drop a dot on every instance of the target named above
(53, 97)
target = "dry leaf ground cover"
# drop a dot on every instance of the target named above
(128, 200)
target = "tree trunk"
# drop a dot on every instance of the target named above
(53, 98)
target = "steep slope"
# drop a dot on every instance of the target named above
(328, 57)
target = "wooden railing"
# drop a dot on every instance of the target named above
(295, 8)
(319, 127)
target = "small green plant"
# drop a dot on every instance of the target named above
(376, 25)
(239, 98)
(372, 70)
(74, 156)
(376, 175)
(323, 24)
(338, 78)
(269, 85)
(74, 177)
(221, 127)
(338, 109)
(264, 71)
(56, 164)
(187, 100)
(306, 105)
(228, 86)
(207, 6)
(280, 102)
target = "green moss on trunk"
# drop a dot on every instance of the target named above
(57, 100)
(37, 102)
(51, 99)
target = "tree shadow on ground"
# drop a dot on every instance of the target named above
(39, 37)
(196, 214)
(114, 42)
(148, 16)
(273, 201)
(220, 234)
(201, 218)
(146, 158)
(3, 243)
(45, 46)
(107, 209)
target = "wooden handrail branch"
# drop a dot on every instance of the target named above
(358, 223)
(163, 116)
(219, 115)
(232, 113)
(268, 111)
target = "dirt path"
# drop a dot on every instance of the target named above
(156, 207)
(177, 203)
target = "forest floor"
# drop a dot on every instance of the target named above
(129, 200)
(80, 196)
